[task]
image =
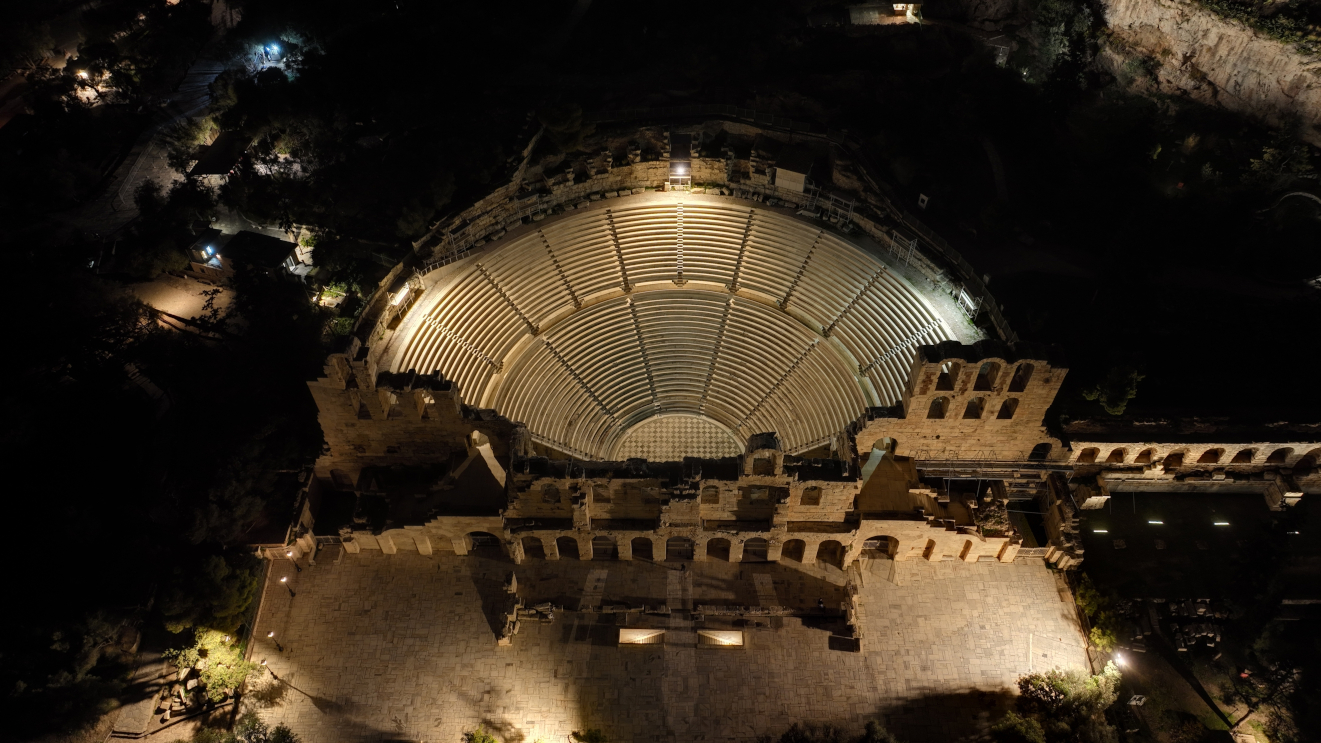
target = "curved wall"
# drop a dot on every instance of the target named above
(671, 304)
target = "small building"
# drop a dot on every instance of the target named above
(877, 14)
(219, 158)
(270, 254)
(205, 261)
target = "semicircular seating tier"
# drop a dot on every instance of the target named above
(658, 305)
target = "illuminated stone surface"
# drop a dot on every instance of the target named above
(400, 647)
(672, 438)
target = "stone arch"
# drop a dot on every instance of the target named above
(880, 546)
(965, 554)
(1040, 452)
(976, 406)
(831, 552)
(1173, 461)
(484, 543)
(1211, 456)
(1244, 456)
(794, 549)
(938, 408)
(1022, 375)
(987, 376)
(567, 547)
(679, 548)
(756, 549)
(642, 548)
(1144, 456)
(604, 548)
(1116, 456)
(717, 548)
(1279, 455)
(1307, 462)
(1088, 455)
(1007, 409)
(533, 548)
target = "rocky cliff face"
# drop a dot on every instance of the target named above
(1213, 60)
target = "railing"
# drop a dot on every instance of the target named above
(752, 115)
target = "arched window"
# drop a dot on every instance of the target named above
(1008, 408)
(949, 373)
(642, 548)
(938, 407)
(711, 495)
(1039, 453)
(717, 549)
(793, 550)
(974, 409)
(1244, 457)
(987, 376)
(756, 549)
(1211, 456)
(1144, 456)
(604, 548)
(1088, 455)
(1279, 455)
(1116, 457)
(1173, 461)
(1022, 375)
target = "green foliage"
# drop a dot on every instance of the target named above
(1280, 24)
(1061, 31)
(479, 736)
(219, 662)
(1064, 705)
(213, 591)
(184, 138)
(876, 733)
(1015, 728)
(590, 735)
(1119, 386)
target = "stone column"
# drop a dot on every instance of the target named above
(551, 547)
(460, 545)
(516, 552)
(735, 551)
(774, 551)
(584, 547)
(423, 544)
(387, 544)
(625, 548)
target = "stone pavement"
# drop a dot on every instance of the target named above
(402, 647)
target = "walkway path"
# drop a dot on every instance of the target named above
(148, 159)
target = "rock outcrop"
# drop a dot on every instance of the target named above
(1215, 60)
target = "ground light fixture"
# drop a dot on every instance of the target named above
(1119, 659)
(285, 582)
(278, 646)
(1222, 523)
(1100, 531)
(1157, 523)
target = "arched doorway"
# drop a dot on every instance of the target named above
(604, 548)
(717, 549)
(879, 547)
(1039, 453)
(568, 548)
(533, 548)
(831, 552)
(485, 544)
(642, 548)
(793, 550)
(756, 549)
(679, 548)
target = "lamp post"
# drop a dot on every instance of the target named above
(290, 554)
(285, 582)
(278, 646)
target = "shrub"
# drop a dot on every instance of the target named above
(479, 736)
(220, 664)
(1015, 728)
(590, 735)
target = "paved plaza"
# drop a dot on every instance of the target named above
(403, 648)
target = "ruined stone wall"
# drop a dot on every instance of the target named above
(369, 425)
(957, 400)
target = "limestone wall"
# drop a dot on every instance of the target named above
(1216, 61)
(957, 401)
